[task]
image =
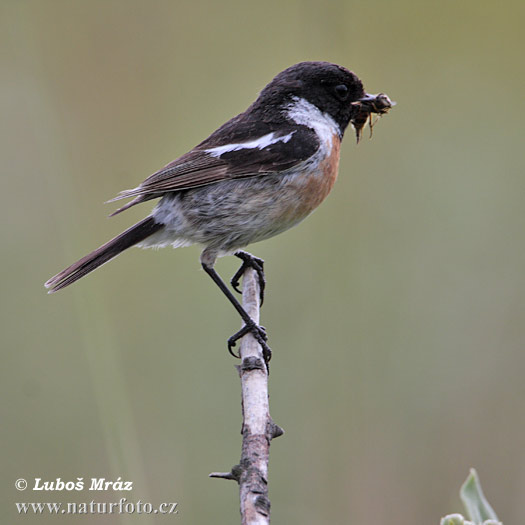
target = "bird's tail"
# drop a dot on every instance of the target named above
(102, 255)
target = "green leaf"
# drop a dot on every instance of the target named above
(478, 508)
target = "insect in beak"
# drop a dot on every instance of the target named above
(365, 107)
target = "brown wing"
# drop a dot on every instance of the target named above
(207, 165)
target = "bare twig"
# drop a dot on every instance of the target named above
(258, 429)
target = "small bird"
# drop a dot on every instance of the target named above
(259, 174)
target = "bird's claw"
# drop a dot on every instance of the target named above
(259, 332)
(249, 261)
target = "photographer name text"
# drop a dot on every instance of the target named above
(99, 484)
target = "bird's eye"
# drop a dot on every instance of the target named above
(341, 91)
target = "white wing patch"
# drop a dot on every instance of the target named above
(260, 143)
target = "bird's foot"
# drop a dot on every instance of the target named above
(249, 261)
(259, 332)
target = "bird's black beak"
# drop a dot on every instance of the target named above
(367, 98)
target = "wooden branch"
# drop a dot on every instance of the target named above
(258, 429)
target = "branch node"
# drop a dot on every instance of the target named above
(234, 474)
(273, 430)
(252, 363)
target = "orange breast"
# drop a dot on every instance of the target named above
(307, 190)
(319, 185)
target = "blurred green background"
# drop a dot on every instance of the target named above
(395, 312)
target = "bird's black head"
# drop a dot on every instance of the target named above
(329, 87)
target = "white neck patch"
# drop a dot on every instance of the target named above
(259, 143)
(303, 112)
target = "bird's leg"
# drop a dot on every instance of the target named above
(249, 261)
(250, 325)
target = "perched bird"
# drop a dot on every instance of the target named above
(259, 174)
